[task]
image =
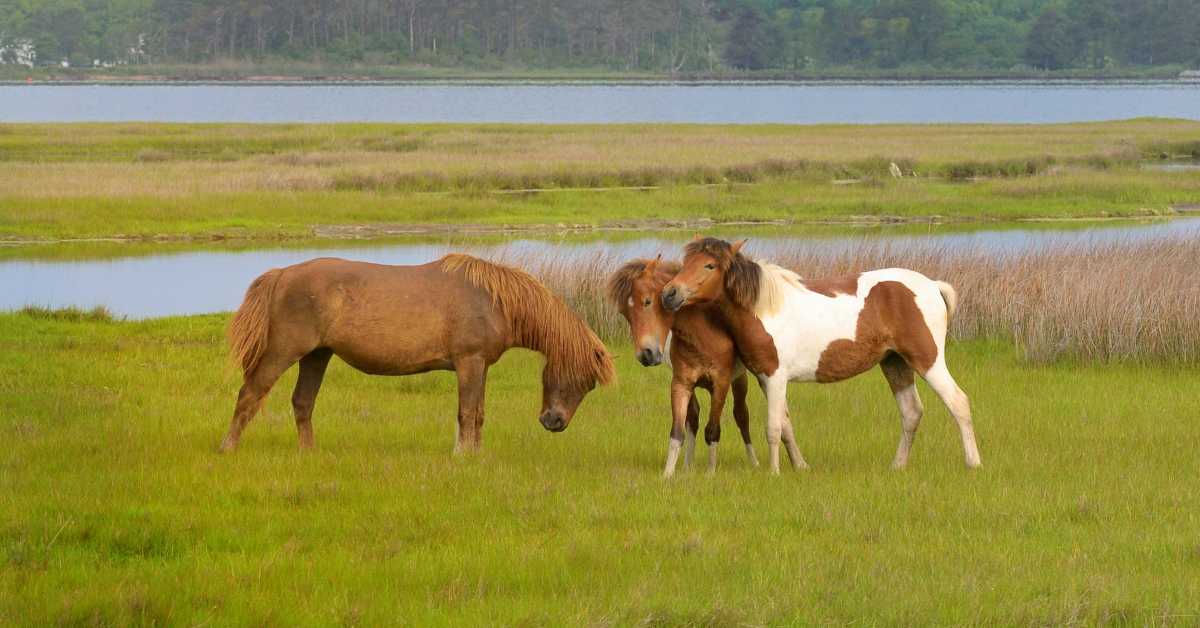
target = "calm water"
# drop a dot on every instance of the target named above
(211, 281)
(601, 103)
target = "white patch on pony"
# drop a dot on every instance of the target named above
(630, 301)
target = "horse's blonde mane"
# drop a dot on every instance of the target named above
(773, 281)
(539, 320)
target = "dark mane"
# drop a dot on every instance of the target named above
(620, 284)
(742, 276)
(540, 320)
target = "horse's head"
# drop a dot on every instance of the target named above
(634, 291)
(564, 388)
(712, 270)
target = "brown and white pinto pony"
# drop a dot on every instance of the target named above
(701, 351)
(458, 313)
(830, 330)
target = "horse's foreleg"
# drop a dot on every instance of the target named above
(681, 395)
(472, 375)
(304, 397)
(776, 391)
(691, 427)
(255, 387)
(741, 416)
(901, 379)
(956, 401)
(712, 431)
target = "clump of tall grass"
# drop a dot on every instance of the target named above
(151, 155)
(1100, 302)
(966, 170)
(71, 314)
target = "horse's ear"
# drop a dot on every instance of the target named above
(652, 265)
(737, 246)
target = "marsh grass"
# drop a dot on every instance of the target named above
(1110, 302)
(88, 180)
(117, 510)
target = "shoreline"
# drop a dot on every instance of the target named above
(300, 81)
(368, 232)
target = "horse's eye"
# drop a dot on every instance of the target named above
(710, 266)
(647, 303)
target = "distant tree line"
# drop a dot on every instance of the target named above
(627, 35)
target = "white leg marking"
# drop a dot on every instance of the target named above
(672, 457)
(712, 458)
(751, 455)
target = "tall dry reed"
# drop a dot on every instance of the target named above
(1098, 302)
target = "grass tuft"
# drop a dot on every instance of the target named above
(98, 314)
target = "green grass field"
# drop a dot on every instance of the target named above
(173, 181)
(115, 508)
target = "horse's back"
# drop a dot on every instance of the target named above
(385, 319)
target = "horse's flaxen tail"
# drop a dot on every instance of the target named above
(949, 296)
(248, 330)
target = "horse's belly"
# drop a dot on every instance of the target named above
(384, 364)
(400, 345)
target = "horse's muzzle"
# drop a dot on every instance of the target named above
(650, 357)
(673, 298)
(553, 421)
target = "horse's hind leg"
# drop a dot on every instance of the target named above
(938, 377)
(254, 389)
(901, 378)
(304, 397)
(741, 416)
(691, 428)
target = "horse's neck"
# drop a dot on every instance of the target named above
(754, 344)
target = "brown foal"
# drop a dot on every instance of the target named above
(702, 354)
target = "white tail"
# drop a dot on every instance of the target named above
(949, 296)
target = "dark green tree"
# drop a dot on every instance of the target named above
(1050, 45)
(751, 42)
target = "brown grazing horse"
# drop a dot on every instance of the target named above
(458, 313)
(830, 330)
(701, 351)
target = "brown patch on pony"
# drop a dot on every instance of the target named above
(539, 320)
(620, 284)
(833, 286)
(248, 329)
(742, 276)
(890, 321)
